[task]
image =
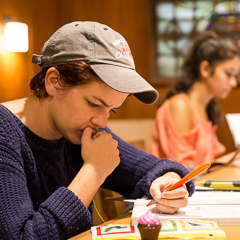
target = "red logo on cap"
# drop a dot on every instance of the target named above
(126, 50)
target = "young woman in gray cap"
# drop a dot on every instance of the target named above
(56, 149)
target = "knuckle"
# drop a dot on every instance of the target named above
(151, 191)
(183, 191)
(108, 135)
(159, 208)
(185, 202)
(116, 143)
(173, 210)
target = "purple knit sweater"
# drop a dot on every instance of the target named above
(34, 174)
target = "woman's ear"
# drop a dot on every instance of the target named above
(51, 81)
(205, 69)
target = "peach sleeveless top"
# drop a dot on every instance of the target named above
(194, 148)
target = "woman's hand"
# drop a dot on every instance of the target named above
(101, 157)
(168, 202)
(99, 150)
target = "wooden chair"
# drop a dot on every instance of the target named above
(137, 132)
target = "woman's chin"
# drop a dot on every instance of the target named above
(77, 140)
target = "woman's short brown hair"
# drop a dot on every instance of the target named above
(71, 74)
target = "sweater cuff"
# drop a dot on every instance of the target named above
(71, 214)
(171, 166)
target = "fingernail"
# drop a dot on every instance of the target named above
(156, 197)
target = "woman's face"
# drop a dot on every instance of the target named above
(224, 78)
(89, 105)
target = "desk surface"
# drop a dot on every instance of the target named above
(232, 232)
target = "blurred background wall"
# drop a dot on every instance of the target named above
(132, 18)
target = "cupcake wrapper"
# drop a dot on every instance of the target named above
(149, 232)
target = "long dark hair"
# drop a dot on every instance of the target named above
(71, 74)
(208, 46)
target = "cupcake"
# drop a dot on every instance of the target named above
(149, 226)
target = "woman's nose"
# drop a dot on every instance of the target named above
(233, 81)
(100, 120)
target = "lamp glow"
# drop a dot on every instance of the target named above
(16, 37)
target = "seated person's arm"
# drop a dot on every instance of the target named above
(139, 173)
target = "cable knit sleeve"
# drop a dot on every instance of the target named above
(61, 216)
(137, 169)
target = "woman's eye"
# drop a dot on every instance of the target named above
(228, 74)
(92, 104)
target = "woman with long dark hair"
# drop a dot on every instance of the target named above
(186, 122)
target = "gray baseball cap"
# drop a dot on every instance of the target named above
(104, 50)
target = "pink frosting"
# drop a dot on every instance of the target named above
(149, 218)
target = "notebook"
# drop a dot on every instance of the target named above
(221, 207)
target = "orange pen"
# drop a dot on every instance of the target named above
(186, 179)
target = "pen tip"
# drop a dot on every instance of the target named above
(149, 204)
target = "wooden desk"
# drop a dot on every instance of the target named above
(232, 232)
(223, 173)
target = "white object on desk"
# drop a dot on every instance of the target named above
(201, 188)
(227, 214)
(233, 120)
(214, 198)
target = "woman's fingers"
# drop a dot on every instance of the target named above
(182, 201)
(157, 187)
(166, 209)
(178, 193)
(168, 201)
(173, 200)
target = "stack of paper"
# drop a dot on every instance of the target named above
(215, 198)
(221, 207)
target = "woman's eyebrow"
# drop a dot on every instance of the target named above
(104, 103)
(231, 69)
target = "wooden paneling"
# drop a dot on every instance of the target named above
(13, 69)
(16, 69)
(132, 18)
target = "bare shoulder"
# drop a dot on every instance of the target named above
(179, 105)
(181, 113)
(15, 106)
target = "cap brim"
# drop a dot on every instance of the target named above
(126, 80)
